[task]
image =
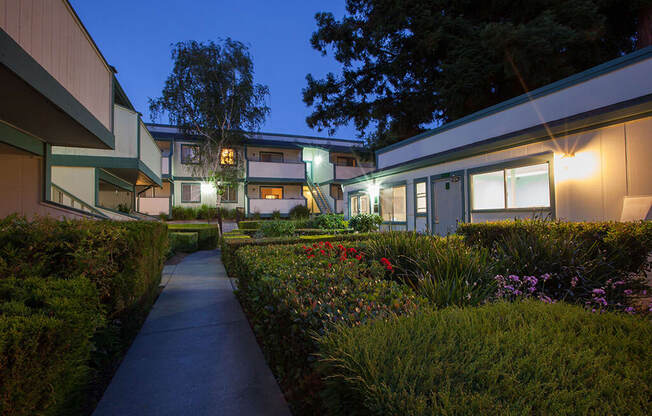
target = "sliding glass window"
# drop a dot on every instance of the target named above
(393, 204)
(514, 188)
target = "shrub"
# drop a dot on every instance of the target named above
(276, 214)
(365, 223)
(291, 293)
(184, 213)
(329, 222)
(206, 212)
(500, 359)
(207, 234)
(277, 228)
(184, 242)
(46, 326)
(249, 225)
(299, 212)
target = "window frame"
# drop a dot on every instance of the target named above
(357, 195)
(347, 158)
(260, 156)
(340, 193)
(235, 193)
(185, 161)
(183, 201)
(260, 192)
(416, 197)
(391, 186)
(545, 158)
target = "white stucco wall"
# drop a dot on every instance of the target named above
(80, 182)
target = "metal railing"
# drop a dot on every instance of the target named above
(65, 198)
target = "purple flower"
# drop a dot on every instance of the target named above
(629, 309)
(598, 291)
(514, 278)
(628, 292)
(545, 276)
(574, 281)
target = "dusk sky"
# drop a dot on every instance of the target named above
(135, 37)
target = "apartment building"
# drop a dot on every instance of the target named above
(71, 143)
(278, 172)
(579, 149)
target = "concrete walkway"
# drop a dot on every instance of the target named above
(196, 354)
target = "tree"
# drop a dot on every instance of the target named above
(211, 95)
(409, 64)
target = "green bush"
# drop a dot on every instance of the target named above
(184, 213)
(207, 234)
(317, 231)
(276, 214)
(291, 294)
(279, 228)
(524, 358)
(250, 224)
(365, 223)
(121, 260)
(299, 212)
(184, 242)
(328, 222)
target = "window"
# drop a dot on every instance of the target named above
(189, 154)
(364, 204)
(522, 187)
(421, 198)
(336, 191)
(227, 157)
(392, 204)
(275, 157)
(190, 192)
(345, 161)
(230, 193)
(267, 192)
(355, 208)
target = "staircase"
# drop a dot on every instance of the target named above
(319, 197)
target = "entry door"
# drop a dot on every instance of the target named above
(448, 205)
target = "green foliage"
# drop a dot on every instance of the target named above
(205, 212)
(501, 359)
(329, 222)
(124, 208)
(184, 213)
(207, 234)
(46, 264)
(290, 295)
(278, 228)
(276, 214)
(364, 223)
(249, 224)
(299, 212)
(484, 53)
(184, 242)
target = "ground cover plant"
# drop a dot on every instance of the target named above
(73, 294)
(207, 234)
(293, 292)
(499, 359)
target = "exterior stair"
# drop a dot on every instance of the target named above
(319, 197)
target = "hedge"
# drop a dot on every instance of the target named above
(250, 224)
(184, 242)
(625, 244)
(207, 234)
(501, 359)
(290, 295)
(122, 261)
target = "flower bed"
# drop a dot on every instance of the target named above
(293, 292)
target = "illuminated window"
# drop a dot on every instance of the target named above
(189, 154)
(267, 192)
(275, 157)
(227, 157)
(421, 198)
(190, 192)
(522, 187)
(355, 208)
(364, 204)
(392, 204)
(345, 161)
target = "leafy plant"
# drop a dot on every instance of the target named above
(299, 212)
(277, 228)
(276, 214)
(365, 223)
(329, 222)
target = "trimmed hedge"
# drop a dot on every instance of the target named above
(525, 358)
(250, 224)
(184, 242)
(207, 234)
(120, 261)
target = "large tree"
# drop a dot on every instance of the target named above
(211, 94)
(408, 64)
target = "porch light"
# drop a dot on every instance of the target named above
(575, 166)
(317, 160)
(373, 190)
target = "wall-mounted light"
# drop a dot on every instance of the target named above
(317, 160)
(373, 189)
(575, 166)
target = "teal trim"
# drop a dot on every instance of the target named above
(15, 58)
(100, 216)
(433, 179)
(149, 173)
(20, 140)
(114, 180)
(276, 180)
(567, 82)
(47, 174)
(190, 202)
(393, 184)
(115, 211)
(108, 162)
(547, 157)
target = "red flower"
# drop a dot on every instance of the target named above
(386, 263)
(329, 245)
(352, 250)
(322, 252)
(359, 257)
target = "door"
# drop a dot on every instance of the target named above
(309, 170)
(447, 204)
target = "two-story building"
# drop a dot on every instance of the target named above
(71, 143)
(579, 149)
(278, 172)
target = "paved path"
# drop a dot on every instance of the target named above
(196, 354)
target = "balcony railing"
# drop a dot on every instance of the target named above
(154, 206)
(348, 172)
(276, 170)
(268, 206)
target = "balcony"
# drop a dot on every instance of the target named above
(348, 172)
(276, 171)
(268, 206)
(154, 205)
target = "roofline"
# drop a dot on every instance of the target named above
(274, 134)
(563, 83)
(602, 117)
(88, 34)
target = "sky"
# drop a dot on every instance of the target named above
(135, 37)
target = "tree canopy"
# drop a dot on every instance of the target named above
(211, 94)
(409, 64)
